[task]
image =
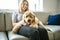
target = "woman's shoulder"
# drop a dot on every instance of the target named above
(17, 13)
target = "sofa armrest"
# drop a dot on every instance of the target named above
(53, 28)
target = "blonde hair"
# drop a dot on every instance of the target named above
(21, 2)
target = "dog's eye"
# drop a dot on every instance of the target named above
(26, 16)
(31, 16)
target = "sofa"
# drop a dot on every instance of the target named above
(6, 26)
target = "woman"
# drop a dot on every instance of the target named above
(31, 33)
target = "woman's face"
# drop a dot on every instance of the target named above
(24, 6)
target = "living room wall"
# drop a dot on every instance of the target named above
(58, 6)
(50, 5)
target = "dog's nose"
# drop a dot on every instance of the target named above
(29, 20)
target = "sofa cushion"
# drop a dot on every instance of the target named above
(3, 36)
(13, 36)
(55, 29)
(42, 16)
(50, 35)
(2, 25)
(54, 19)
(8, 21)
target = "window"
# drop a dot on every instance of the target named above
(36, 5)
(9, 4)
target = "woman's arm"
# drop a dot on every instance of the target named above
(40, 23)
(16, 25)
(14, 19)
(14, 22)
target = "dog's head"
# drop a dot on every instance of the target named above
(29, 17)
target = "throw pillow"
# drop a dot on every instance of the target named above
(54, 19)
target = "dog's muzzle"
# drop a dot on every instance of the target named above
(29, 20)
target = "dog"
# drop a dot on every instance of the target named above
(29, 19)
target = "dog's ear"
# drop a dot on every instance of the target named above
(34, 18)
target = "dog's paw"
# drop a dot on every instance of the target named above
(35, 27)
(14, 31)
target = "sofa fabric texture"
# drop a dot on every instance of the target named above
(8, 18)
(2, 25)
(3, 36)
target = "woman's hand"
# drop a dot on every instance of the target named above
(16, 27)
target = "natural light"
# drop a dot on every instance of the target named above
(34, 5)
(8, 4)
